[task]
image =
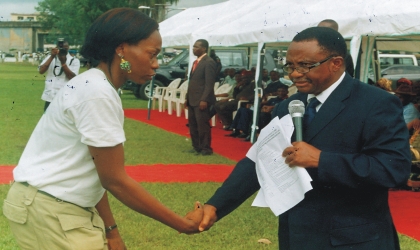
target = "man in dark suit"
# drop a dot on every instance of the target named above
(355, 148)
(200, 98)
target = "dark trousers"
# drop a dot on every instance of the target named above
(224, 109)
(200, 129)
(242, 120)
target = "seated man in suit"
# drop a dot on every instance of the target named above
(355, 148)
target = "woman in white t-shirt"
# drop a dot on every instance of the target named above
(75, 154)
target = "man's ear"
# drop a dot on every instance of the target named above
(337, 63)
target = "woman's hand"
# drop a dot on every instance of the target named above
(194, 217)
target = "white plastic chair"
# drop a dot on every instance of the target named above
(171, 95)
(160, 93)
(177, 96)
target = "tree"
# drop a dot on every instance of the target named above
(72, 18)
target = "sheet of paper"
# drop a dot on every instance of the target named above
(282, 187)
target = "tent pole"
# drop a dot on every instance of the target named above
(258, 91)
(149, 103)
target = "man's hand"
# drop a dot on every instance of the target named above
(209, 218)
(302, 154)
(195, 217)
(62, 58)
(54, 51)
(203, 105)
(115, 241)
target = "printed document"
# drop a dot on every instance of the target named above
(282, 187)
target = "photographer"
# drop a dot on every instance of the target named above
(60, 67)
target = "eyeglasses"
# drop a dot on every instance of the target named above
(304, 69)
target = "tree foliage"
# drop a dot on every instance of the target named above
(71, 18)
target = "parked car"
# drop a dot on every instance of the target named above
(387, 60)
(396, 72)
(176, 68)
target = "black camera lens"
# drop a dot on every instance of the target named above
(62, 52)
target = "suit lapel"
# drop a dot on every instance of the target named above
(199, 65)
(330, 109)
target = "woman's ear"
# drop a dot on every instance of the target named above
(120, 49)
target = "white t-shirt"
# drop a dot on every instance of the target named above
(86, 111)
(56, 78)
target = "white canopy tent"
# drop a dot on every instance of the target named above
(250, 22)
(393, 23)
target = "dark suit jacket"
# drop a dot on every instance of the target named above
(201, 83)
(365, 151)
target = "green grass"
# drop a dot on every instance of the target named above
(21, 108)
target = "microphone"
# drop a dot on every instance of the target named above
(297, 110)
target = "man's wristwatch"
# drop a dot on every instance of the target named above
(110, 228)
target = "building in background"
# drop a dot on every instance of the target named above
(24, 17)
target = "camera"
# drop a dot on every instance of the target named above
(60, 45)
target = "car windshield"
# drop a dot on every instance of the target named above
(178, 58)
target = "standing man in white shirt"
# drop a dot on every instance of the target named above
(60, 67)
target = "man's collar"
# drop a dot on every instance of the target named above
(322, 97)
(201, 57)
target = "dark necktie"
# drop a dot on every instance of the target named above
(310, 110)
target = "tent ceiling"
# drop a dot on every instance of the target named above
(238, 22)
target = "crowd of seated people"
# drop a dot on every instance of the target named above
(242, 93)
(241, 125)
(408, 93)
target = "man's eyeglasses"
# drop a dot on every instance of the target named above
(304, 69)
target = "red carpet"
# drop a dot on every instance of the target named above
(159, 173)
(404, 204)
(6, 175)
(179, 173)
(229, 147)
(405, 210)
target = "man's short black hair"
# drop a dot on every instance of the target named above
(204, 43)
(283, 86)
(328, 39)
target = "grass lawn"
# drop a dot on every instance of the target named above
(21, 108)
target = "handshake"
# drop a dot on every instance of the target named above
(201, 218)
